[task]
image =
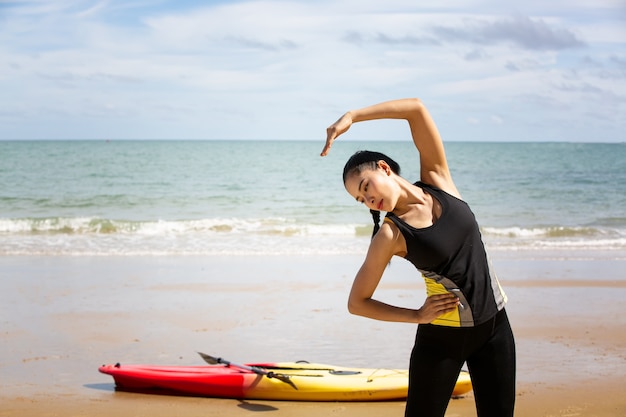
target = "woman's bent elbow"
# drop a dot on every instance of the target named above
(355, 308)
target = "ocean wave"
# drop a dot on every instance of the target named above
(553, 232)
(85, 236)
(555, 237)
(215, 236)
(99, 226)
(273, 225)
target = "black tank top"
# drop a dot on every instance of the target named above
(451, 256)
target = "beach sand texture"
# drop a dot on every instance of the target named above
(63, 316)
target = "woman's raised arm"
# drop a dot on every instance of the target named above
(434, 168)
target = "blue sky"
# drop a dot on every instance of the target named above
(137, 69)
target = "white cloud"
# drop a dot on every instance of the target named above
(521, 31)
(286, 69)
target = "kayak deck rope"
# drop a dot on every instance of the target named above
(387, 374)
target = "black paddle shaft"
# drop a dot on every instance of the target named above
(270, 374)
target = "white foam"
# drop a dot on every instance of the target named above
(95, 236)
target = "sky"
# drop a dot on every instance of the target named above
(488, 70)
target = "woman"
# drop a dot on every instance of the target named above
(463, 318)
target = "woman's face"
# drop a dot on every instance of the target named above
(374, 187)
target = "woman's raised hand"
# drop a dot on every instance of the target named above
(333, 131)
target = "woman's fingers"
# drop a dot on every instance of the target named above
(333, 131)
(436, 305)
(330, 138)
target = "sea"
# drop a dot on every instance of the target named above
(270, 197)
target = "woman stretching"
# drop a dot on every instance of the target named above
(463, 318)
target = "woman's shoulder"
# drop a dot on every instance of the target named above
(390, 237)
(445, 186)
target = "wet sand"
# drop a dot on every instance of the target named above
(62, 317)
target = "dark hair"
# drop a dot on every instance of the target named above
(363, 160)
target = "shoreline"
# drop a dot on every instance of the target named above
(62, 317)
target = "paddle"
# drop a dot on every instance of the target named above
(259, 371)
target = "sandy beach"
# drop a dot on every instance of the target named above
(61, 317)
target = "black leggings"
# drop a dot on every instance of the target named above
(439, 354)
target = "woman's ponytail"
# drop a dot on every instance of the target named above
(376, 218)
